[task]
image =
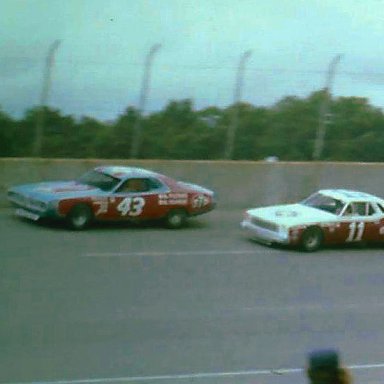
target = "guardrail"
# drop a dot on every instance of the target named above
(238, 184)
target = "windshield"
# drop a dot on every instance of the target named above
(325, 203)
(99, 180)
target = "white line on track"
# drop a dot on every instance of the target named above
(177, 253)
(325, 307)
(190, 376)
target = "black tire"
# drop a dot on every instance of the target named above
(79, 217)
(312, 239)
(176, 218)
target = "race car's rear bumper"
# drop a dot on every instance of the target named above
(264, 235)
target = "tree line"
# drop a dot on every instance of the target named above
(287, 130)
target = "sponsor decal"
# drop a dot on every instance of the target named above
(173, 199)
(200, 201)
(101, 205)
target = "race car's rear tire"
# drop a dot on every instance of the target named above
(79, 217)
(312, 239)
(176, 218)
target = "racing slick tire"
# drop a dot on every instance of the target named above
(79, 217)
(312, 239)
(176, 218)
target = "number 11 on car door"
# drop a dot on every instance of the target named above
(356, 231)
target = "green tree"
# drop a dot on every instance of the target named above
(119, 142)
(252, 124)
(57, 135)
(8, 144)
(292, 128)
(84, 138)
(356, 131)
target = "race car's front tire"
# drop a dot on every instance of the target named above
(79, 217)
(176, 218)
(312, 239)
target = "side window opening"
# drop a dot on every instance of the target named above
(138, 185)
(154, 184)
(371, 209)
(134, 186)
(348, 211)
(381, 207)
(359, 208)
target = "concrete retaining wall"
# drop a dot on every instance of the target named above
(239, 184)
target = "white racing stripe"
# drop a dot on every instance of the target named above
(191, 376)
(178, 253)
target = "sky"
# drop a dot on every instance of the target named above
(99, 64)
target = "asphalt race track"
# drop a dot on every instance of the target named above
(202, 305)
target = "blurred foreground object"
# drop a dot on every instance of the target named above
(324, 368)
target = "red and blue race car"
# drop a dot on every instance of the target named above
(113, 193)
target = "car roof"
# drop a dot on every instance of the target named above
(121, 172)
(348, 195)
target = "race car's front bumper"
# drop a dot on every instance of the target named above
(32, 209)
(36, 215)
(264, 235)
(20, 212)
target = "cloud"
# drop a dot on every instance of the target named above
(17, 66)
(104, 45)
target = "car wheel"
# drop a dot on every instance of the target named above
(312, 239)
(176, 218)
(79, 217)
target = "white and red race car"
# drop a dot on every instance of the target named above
(329, 216)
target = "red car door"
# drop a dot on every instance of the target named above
(380, 226)
(375, 229)
(361, 221)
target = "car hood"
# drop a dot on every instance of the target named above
(55, 190)
(292, 214)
